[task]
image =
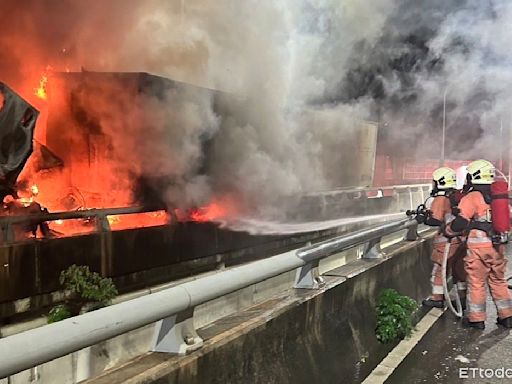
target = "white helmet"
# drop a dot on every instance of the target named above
(481, 172)
(445, 178)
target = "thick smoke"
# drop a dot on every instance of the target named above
(297, 77)
(278, 141)
(428, 49)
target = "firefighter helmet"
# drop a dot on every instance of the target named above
(445, 178)
(481, 172)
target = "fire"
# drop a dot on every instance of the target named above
(41, 90)
(27, 200)
(68, 173)
(114, 219)
(138, 220)
(210, 212)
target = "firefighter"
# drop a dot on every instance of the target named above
(485, 262)
(444, 191)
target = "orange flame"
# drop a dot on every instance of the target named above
(113, 219)
(138, 220)
(79, 183)
(41, 90)
(34, 189)
(210, 212)
(27, 200)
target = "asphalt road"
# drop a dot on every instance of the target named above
(449, 353)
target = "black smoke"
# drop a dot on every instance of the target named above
(391, 70)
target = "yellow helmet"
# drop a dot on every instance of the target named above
(445, 178)
(481, 172)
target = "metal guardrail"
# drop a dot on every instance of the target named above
(81, 214)
(368, 189)
(102, 225)
(102, 213)
(173, 308)
(98, 215)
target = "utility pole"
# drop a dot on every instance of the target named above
(509, 152)
(441, 163)
(182, 13)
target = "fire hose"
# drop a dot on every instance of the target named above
(459, 311)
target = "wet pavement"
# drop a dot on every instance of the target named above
(449, 353)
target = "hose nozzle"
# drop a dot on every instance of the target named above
(420, 214)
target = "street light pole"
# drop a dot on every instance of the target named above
(444, 127)
(182, 12)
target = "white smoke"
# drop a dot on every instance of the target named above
(466, 59)
(282, 63)
(276, 60)
(484, 68)
(281, 57)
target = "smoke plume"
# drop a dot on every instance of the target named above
(293, 79)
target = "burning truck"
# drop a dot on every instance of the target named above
(70, 197)
(93, 150)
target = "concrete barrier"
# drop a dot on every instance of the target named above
(301, 336)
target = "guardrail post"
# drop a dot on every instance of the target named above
(412, 233)
(103, 227)
(308, 276)
(177, 334)
(373, 250)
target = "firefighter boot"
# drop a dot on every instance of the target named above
(433, 303)
(506, 322)
(473, 324)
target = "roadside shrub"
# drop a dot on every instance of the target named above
(58, 313)
(87, 285)
(395, 316)
(84, 288)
